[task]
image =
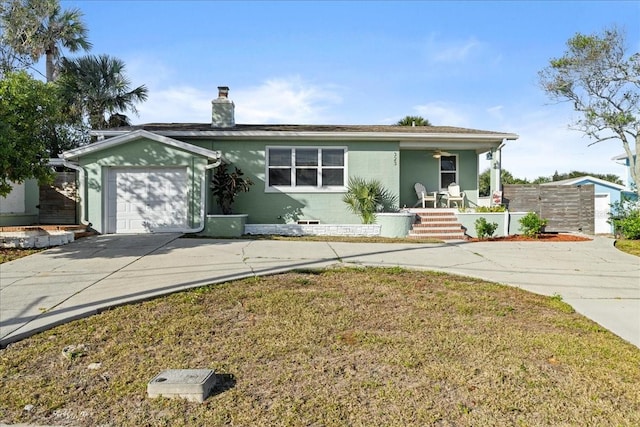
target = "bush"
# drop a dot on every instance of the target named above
(532, 225)
(625, 217)
(497, 208)
(227, 185)
(485, 229)
(365, 198)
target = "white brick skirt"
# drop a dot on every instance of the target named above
(313, 229)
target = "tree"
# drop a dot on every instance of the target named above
(603, 83)
(484, 181)
(413, 121)
(29, 115)
(96, 88)
(577, 174)
(33, 28)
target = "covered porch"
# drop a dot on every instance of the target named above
(438, 164)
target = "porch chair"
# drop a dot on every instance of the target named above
(455, 195)
(423, 196)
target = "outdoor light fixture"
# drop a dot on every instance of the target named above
(489, 155)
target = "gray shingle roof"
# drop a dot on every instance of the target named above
(196, 127)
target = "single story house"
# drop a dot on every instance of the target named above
(157, 177)
(606, 193)
(623, 159)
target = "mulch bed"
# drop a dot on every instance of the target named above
(545, 237)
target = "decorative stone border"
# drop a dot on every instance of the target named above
(37, 238)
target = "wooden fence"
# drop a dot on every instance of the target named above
(567, 208)
(58, 201)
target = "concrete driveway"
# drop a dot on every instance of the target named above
(94, 273)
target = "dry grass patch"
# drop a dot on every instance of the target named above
(9, 254)
(332, 348)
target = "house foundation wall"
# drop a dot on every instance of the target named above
(347, 230)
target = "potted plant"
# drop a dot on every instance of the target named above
(226, 186)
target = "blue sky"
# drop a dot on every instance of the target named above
(457, 63)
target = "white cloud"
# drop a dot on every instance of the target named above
(177, 104)
(452, 51)
(286, 100)
(442, 114)
(496, 112)
(278, 100)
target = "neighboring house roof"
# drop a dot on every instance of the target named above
(408, 136)
(622, 156)
(582, 179)
(139, 134)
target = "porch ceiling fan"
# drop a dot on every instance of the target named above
(439, 153)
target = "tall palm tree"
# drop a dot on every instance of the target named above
(61, 29)
(96, 88)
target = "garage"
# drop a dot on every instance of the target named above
(146, 200)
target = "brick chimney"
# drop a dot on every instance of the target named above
(222, 110)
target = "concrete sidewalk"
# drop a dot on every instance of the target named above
(95, 273)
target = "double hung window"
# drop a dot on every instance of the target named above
(448, 170)
(306, 168)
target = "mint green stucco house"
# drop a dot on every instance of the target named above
(156, 177)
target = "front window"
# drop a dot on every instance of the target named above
(448, 170)
(306, 168)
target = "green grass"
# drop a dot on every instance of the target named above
(629, 246)
(338, 347)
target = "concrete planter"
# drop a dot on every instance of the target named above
(468, 221)
(397, 224)
(225, 225)
(508, 222)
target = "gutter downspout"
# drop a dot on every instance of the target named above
(81, 184)
(495, 174)
(203, 197)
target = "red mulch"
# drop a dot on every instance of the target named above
(545, 237)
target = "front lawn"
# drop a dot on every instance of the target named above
(629, 246)
(339, 347)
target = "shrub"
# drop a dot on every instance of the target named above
(485, 229)
(497, 208)
(365, 198)
(227, 185)
(532, 225)
(625, 217)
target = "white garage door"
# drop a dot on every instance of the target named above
(602, 209)
(145, 200)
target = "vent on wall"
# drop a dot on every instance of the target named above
(308, 221)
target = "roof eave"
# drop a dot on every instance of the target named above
(124, 137)
(350, 136)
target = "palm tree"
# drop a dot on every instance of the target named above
(366, 198)
(413, 121)
(95, 87)
(60, 29)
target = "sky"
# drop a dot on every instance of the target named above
(471, 64)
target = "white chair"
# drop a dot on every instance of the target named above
(423, 196)
(455, 195)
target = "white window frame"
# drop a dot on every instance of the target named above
(441, 171)
(306, 189)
